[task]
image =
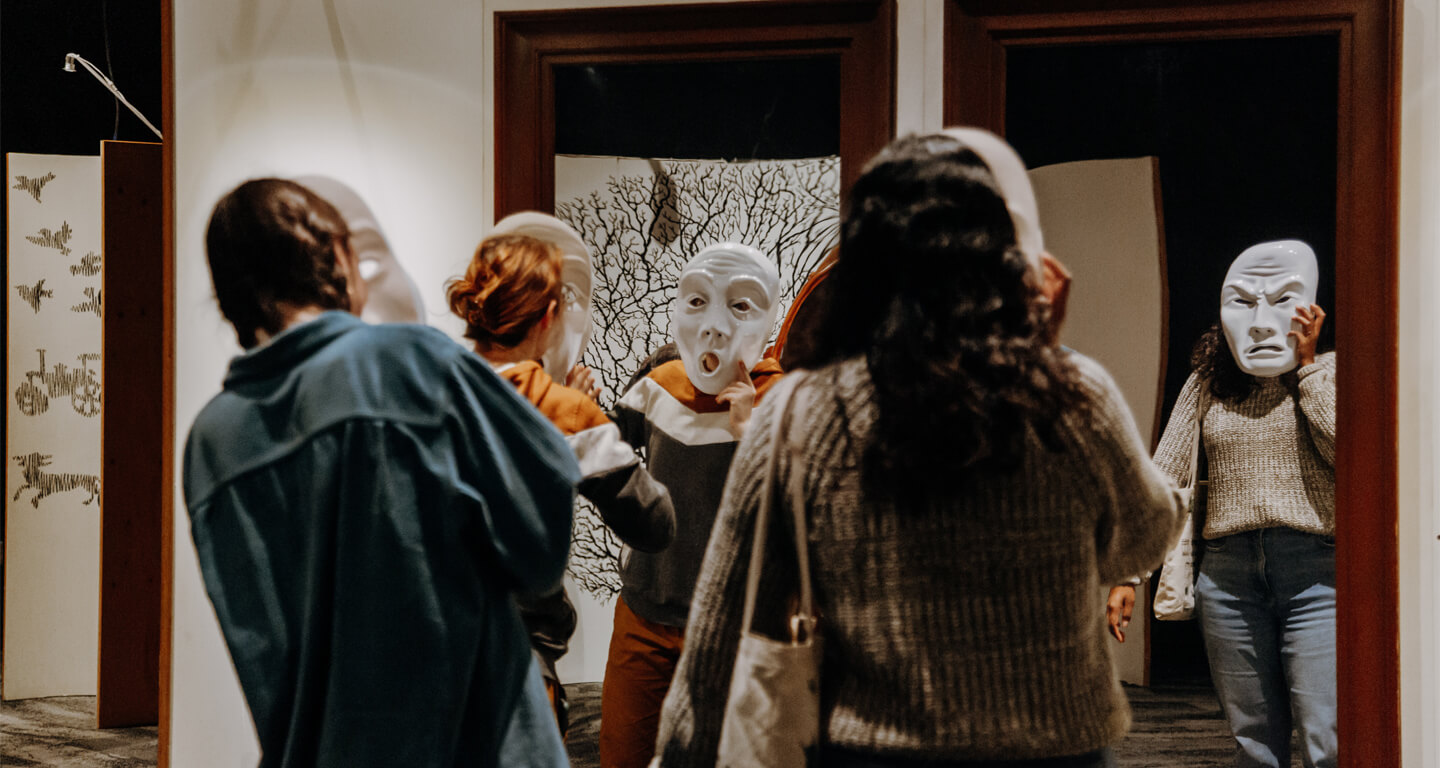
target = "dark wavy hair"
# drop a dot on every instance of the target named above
(272, 243)
(932, 290)
(1212, 360)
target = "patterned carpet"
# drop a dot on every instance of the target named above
(61, 731)
(1176, 726)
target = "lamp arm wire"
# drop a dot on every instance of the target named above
(71, 58)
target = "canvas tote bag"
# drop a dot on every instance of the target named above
(1175, 592)
(772, 716)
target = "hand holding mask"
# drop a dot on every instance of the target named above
(1311, 319)
(725, 307)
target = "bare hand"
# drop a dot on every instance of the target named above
(1054, 288)
(1119, 608)
(582, 378)
(740, 394)
(1310, 318)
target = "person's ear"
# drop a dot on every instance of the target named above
(551, 312)
(1055, 289)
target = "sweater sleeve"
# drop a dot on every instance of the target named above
(1145, 511)
(635, 505)
(1172, 455)
(1317, 402)
(694, 707)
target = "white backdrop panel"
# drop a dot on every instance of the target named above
(52, 436)
(1100, 218)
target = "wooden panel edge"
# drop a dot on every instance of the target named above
(167, 458)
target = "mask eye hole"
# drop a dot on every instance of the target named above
(741, 306)
(696, 301)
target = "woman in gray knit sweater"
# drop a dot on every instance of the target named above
(1265, 596)
(969, 486)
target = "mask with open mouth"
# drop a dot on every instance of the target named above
(1262, 290)
(725, 308)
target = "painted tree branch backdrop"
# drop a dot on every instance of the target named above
(643, 220)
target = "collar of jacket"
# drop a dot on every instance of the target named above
(290, 347)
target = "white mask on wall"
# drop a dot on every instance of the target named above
(725, 307)
(1262, 290)
(392, 295)
(568, 341)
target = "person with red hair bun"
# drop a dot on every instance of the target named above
(510, 299)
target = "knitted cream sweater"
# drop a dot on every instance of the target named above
(971, 627)
(1271, 456)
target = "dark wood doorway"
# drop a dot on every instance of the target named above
(981, 37)
(858, 35)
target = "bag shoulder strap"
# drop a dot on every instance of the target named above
(779, 446)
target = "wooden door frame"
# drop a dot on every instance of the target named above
(977, 35)
(530, 44)
(167, 390)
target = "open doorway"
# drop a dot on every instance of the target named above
(985, 39)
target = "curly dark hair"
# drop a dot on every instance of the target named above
(1212, 360)
(271, 243)
(931, 288)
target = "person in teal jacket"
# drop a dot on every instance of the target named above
(366, 502)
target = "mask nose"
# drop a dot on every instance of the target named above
(1260, 333)
(713, 335)
(714, 330)
(1267, 323)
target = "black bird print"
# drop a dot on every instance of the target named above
(32, 294)
(33, 186)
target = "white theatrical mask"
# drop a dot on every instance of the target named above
(725, 307)
(1262, 290)
(568, 341)
(393, 297)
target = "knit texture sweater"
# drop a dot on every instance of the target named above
(688, 447)
(969, 626)
(1270, 456)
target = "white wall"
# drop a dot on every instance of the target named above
(1419, 419)
(370, 92)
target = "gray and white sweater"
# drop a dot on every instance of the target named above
(971, 627)
(1270, 457)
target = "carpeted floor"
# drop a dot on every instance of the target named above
(60, 731)
(1177, 726)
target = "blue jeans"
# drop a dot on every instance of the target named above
(1266, 603)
